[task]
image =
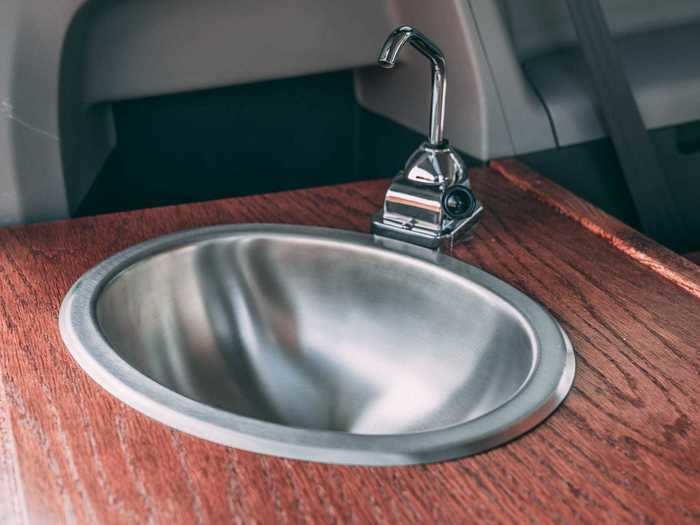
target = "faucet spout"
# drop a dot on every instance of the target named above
(388, 57)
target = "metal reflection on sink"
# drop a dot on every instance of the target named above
(318, 344)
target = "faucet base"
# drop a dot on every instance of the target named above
(409, 231)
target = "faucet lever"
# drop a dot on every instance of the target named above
(430, 200)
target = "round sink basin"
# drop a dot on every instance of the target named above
(317, 344)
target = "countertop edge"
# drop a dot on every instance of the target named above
(670, 265)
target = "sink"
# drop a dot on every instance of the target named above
(318, 344)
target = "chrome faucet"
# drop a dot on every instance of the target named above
(430, 201)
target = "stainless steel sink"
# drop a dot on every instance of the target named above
(318, 344)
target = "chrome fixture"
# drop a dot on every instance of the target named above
(430, 201)
(390, 54)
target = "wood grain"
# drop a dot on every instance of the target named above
(624, 447)
(626, 239)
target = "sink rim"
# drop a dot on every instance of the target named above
(545, 388)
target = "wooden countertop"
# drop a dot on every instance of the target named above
(624, 446)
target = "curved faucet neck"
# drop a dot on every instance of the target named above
(388, 57)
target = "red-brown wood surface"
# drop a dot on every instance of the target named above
(678, 269)
(624, 446)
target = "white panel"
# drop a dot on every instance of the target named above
(662, 69)
(136, 48)
(539, 26)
